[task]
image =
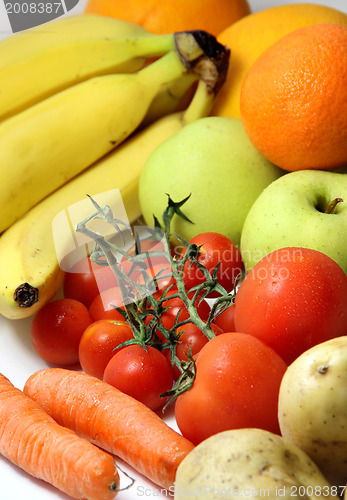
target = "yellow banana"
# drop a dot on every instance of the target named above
(48, 144)
(42, 61)
(173, 97)
(25, 43)
(30, 274)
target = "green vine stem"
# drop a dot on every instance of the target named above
(177, 270)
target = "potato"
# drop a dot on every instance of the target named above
(249, 463)
(313, 407)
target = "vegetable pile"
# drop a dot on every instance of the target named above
(155, 326)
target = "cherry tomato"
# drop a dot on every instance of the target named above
(102, 306)
(159, 272)
(99, 343)
(225, 320)
(236, 385)
(144, 375)
(57, 328)
(293, 299)
(214, 248)
(192, 339)
(149, 245)
(86, 279)
(154, 266)
(148, 269)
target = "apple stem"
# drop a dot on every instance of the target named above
(332, 205)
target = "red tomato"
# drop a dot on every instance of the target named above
(236, 385)
(86, 279)
(225, 320)
(154, 266)
(99, 343)
(214, 248)
(144, 375)
(193, 339)
(102, 306)
(149, 245)
(161, 271)
(57, 328)
(293, 299)
(137, 273)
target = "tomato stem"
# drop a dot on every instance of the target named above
(107, 250)
(184, 382)
(174, 208)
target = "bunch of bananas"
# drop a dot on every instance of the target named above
(71, 92)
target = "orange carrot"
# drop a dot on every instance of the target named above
(32, 440)
(112, 420)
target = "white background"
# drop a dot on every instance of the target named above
(18, 359)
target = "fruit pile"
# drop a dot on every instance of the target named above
(176, 235)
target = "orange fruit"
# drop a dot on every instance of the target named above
(294, 99)
(251, 35)
(168, 16)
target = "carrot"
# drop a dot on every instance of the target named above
(112, 420)
(32, 440)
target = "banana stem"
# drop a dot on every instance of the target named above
(197, 53)
(200, 105)
(204, 56)
(165, 70)
(153, 45)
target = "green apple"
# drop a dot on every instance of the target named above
(301, 209)
(213, 160)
